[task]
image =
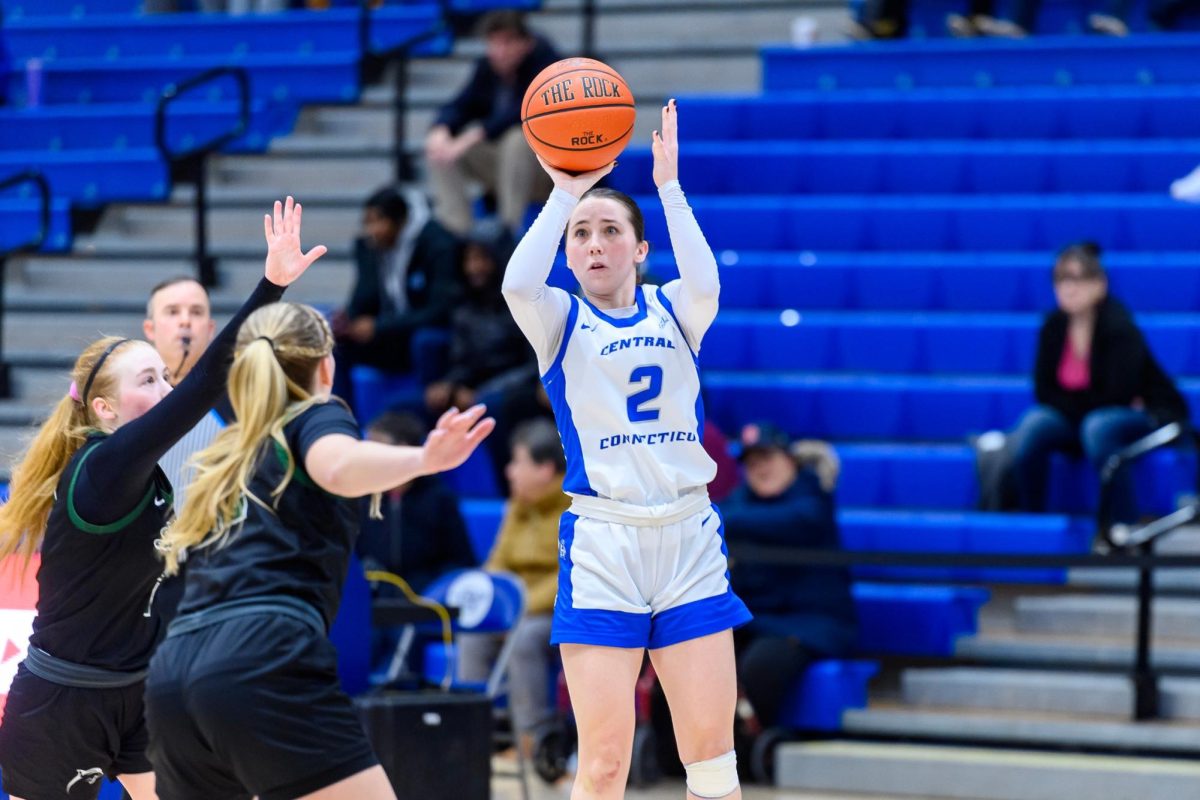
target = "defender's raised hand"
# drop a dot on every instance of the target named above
(286, 261)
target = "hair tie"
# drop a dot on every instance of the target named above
(73, 392)
(266, 339)
(87, 385)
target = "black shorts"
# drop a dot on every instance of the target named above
(59, 741)
(248, 707)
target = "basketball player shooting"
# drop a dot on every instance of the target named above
(642, 562)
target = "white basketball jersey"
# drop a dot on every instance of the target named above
(626, 395)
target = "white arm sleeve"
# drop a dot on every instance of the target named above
(540, 311)
(695, 295)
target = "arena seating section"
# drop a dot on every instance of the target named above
(885, 217)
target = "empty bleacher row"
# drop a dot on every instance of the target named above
(84, 95)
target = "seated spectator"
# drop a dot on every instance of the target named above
(490, 361)
(981, 20)
(488, 355)
(422, 534)
(1097, 384)
(801, 613)
(527, 546)
(407, 267)
(477, 135)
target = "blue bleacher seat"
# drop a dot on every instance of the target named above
(130, 126)
(828, 687)
(21, 9)
(1005, 223)
(941, 532)
(20, 219)
(920, 167)
(1038, 61)
(177, 36)
(915, 620)
(943, 114)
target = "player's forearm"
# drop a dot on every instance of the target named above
(697, 265)
(358, 468)
(534, 257)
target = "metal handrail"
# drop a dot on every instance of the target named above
(176, 91)
(193, 163)
(43, 186)
(372, 63)
(1146, 699)
(1128, 538)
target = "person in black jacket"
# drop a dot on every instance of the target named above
(1097, 384)
(422, 534)
(407, 268)
(800, 613)
(490, 360)
(477, 135)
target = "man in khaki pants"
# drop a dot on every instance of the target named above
(477, 136)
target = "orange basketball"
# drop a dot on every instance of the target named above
(578, 114)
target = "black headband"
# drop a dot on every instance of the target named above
(87, 386)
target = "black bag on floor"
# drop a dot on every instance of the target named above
(432, 745)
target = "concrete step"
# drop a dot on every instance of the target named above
(370, 134)
(961, 772)
(116, 245)
(1177, 580)
(173, 223)
(44, 338)
(1021, 728)
(80, 283)
(288, 174)
(664, 73)
(1060, 651)
(1105, 615)
(1058, 692)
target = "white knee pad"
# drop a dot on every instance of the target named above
(716, 777)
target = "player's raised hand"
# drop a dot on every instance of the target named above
(285, 260)
(455, 437)
(665, 146)
(575, 184)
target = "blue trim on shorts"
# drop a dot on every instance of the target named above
(589, 625)
(702, 617)
(696, 619)
(624, 629)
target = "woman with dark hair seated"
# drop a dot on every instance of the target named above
(1097, 384)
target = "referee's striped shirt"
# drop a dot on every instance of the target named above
(174, 461)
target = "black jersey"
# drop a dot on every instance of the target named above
(99, 567)
(302, 548)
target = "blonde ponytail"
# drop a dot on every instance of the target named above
(278, 350)
(35, 479)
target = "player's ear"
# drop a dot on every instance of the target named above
(643, 250)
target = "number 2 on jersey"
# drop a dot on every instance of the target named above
(640, 398)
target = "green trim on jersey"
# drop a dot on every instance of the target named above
(113, 527)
